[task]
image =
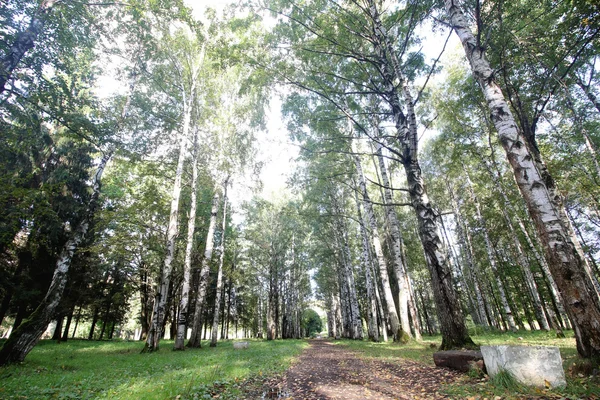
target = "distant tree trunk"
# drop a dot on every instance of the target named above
(195, 337)
(65, 335)
(144, 300)
(507, 312)
(14, 281)
(399, 334)
(182, 321)
(215, 324)
(27, 335)
(24, 41)
(76, 323)
(94, 321)
(58, 329)
(463, 235)
(521, 257)
(563, 252)
(372, 330)
(399, 268)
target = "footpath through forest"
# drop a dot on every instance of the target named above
(329, 371)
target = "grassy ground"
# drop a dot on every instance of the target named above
(116, 370)
(82, 369)
(580, 385)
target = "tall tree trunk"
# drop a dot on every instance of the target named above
(399, 334)
(452, 324)
(215, 324)
(161, 296)
(563, 252)
(400, 270)
(195, 337)
(24, 338)
(24, 41)
(182, 319)
(372, 330)
(76, 323)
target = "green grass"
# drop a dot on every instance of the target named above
(579, 386)
(116, 370)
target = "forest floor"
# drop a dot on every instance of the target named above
(326, 370)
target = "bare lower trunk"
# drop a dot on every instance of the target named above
(452, 326)
(215, 324)
(25, 337)
(182, 319)
(565, 258)
(196, 335)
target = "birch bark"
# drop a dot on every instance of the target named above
(24, 42)
(521, 257)
(215, 324)
(373, 331)
(25, 337)
(565, 258)
(453, 328)
(398, 333)
(162, 292)
(399, 267)
(182, 319)
(468, 255)
(196, 334)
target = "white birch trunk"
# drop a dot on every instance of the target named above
(399, 268)
(182, 320)
(25, 337)
(521, 257)
(216, 314)
(162, 291)
(195, 336)
(453, 328)
(565, 258)
(381, 262)
(373, 330)
(24, 41)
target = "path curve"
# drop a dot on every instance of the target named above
(326, 370)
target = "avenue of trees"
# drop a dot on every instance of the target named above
(127, 129)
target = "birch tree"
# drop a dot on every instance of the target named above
(562, 249)
(188, 74)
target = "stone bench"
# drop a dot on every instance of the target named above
(531, 365)
(240, 345)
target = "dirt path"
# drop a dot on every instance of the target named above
(328, 371)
